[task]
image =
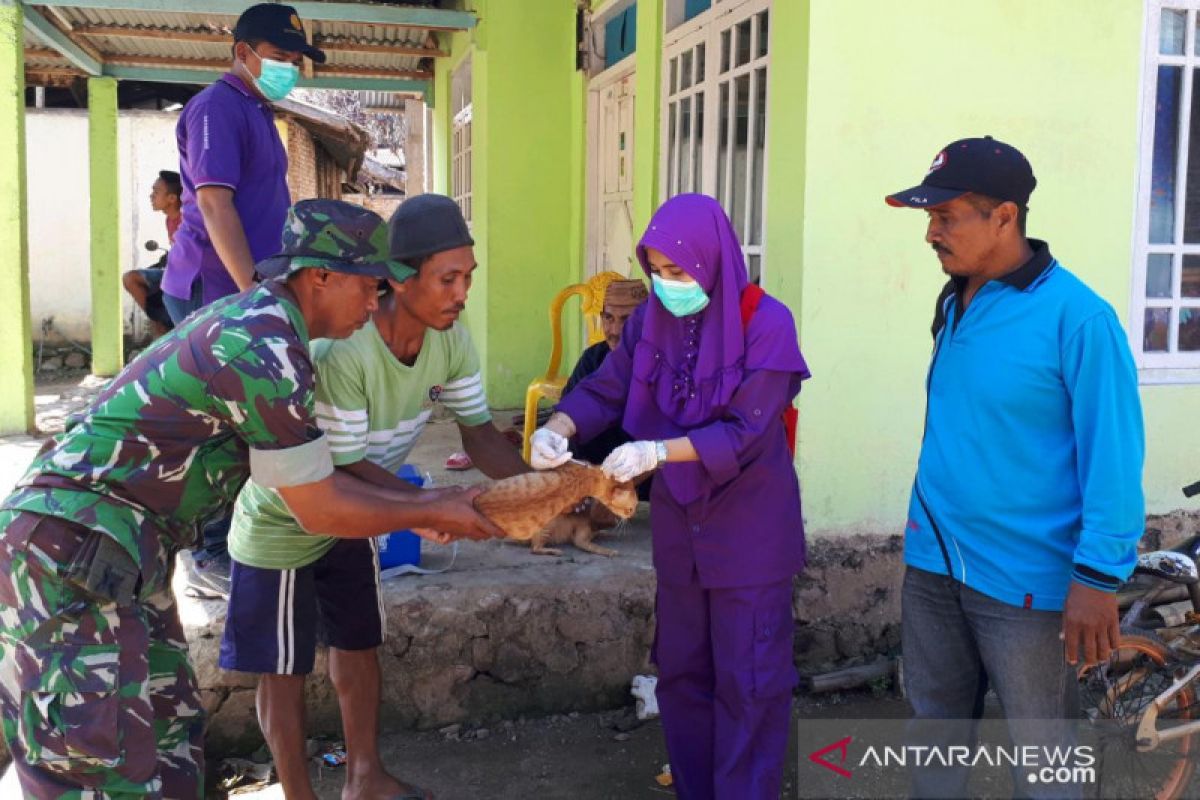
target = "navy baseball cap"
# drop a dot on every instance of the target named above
(279, 25)
(983, 166)
(424, 225)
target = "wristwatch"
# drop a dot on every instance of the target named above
(660, 450)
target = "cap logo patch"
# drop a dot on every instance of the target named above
(939, 161)
(296, 22)
(434, 393)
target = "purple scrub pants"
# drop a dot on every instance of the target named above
(725, 681)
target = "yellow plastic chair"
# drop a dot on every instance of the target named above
(550, 384)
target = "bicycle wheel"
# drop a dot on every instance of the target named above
(1113, 697)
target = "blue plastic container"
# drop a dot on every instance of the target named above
(404, 546)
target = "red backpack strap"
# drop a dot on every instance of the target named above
(751, 296)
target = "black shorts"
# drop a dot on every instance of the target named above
(273, 618)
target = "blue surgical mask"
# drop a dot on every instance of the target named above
(681, 298)
(277, 79)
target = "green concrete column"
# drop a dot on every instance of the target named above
(787, 122)
(107, 355)
(647, 111)
(16, 347)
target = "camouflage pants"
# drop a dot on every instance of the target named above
(96, 701)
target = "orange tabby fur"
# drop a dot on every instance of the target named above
(524, 504)
(577, 528)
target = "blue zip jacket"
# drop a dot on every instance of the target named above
(1030, 474)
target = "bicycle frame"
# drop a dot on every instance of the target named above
(1148, 735)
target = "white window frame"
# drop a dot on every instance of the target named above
(460, 141)
(1171, 366)
(707, 28)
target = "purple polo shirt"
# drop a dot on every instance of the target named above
(227, 137)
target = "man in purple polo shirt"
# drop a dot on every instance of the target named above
(235, 197)
(233, 164)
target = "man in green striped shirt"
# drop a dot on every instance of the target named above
(375, 392)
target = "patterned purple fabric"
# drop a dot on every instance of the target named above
(686, 370)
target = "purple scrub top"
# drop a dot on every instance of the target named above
(227, 137)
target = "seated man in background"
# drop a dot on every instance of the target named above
(145, 285)
(620, 301)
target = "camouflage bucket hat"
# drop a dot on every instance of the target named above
(337, 236)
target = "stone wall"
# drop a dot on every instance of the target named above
(507, 634)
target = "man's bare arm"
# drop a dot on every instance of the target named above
(228, 236)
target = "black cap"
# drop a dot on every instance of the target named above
(978, 166)
(279, 25)
(424, 225)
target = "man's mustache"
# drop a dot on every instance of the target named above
(937, 248)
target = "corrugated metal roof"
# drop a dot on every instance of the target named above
(383, 100)
(158, 48)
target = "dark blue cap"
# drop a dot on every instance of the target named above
(279, 25)
(424, 225)
(976, 166)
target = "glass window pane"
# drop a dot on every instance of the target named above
(685, 70)
(700, 63)
(1158, 275)
(1189, 329)
(722, 143)
(758, 151)
(737, 206)
(1191, 208)
(762, 34)
(674, 75)
(1162, 177)
(685, 144)
(1189, 286)
(754, 267)
(1154, 335)
(743, 42)
(725, 47)
(1171, 29)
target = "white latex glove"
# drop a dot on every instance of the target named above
(548, 449)
(630, 460)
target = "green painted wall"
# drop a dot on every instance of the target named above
(889, 85)
(527, 176)
(785, 170)
(16, 351)
(647, 111)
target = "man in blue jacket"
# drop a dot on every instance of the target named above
(1027, 505)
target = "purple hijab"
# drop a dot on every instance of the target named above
(686, 370)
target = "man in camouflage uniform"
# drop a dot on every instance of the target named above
(97, 696)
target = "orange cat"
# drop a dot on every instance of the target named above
(523, 505)
(577, 528)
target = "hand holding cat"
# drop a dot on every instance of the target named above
(630, 460)
(548, 449)
(457, 516)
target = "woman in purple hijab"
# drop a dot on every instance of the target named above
(704, 396)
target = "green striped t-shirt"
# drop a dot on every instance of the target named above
(370, 406)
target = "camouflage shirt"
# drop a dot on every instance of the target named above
(169, 443)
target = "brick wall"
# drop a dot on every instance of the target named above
(302, 163)
(381, 204)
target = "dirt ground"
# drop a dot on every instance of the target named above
(573, 757)
(593, 756)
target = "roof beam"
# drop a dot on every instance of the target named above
(48, 33)
(406, 16)
(221, 65)
(200, 77)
